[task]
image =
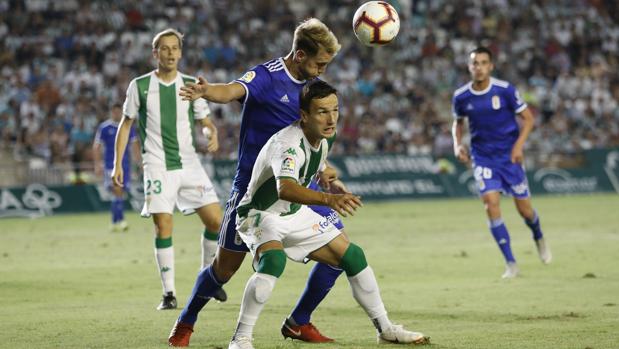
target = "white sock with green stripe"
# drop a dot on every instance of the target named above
(209, 247)
(164, 254)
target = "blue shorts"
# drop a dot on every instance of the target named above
(507, 178)
(107, 179)
(229, 239)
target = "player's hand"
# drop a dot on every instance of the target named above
(193, 91)
(326, 177)
(117, 176)
(344, 204)
(462, 153)
(213, 143)
(517, 154)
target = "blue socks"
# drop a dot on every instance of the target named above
(321, 280)
(117, 207)
(501, 236)
(206, 284)
(535, 227)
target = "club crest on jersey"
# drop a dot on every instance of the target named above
(496, 102)
(288, 165)
(248, 77)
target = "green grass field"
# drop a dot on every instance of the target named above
(66, 282)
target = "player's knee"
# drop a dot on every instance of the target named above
(272, 262)
(353, 261)
(212, 226)
(263, 287)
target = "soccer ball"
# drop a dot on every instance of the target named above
(376, 23)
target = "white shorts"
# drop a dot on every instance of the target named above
(301, 233)
(187, 188)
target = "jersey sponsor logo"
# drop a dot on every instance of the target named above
(288, 165)
(496, 102)
(284, 99)
(248, 77)
(521, 188)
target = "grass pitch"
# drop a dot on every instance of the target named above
(67, 282)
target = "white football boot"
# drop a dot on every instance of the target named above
(241, 342)
(397, 334)
(511, 271)
(543, 251)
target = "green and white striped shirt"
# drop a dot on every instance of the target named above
(165, 121)
(287, 154)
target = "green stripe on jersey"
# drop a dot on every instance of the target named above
(192, 120)
(167, 109)
(262, 199)
(314, 162)
(142, 85)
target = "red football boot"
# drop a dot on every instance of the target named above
(180, 334)
(307, 333)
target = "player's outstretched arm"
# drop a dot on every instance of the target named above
(120, 144)
(209, 130)
(345, 204)
(460, 150)
(528, 121)
(217, 93)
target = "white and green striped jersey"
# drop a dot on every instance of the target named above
(287, 154)
(165, 121)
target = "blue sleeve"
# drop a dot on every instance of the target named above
(257, 82)
(514, 101)
(456, 109)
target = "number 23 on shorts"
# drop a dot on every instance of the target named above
(154, 185)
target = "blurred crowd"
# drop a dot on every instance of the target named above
(65, 63)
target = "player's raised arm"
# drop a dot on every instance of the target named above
(460, 150)
(528, 121)
(217, 93)
(120, 144)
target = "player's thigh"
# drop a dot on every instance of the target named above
(160, 191)
(260, 227)
(229, 238)
(196, 190)
(487, 179)
(515, 178)
(210, 215)
(524, 207)
(332, 252)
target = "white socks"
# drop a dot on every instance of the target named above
(366, 293)
(257, 291)
(165, 263)
(209, 249)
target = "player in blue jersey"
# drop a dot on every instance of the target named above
(269, 93)
(497, 143)
(104, 146)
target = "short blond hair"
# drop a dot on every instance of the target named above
(167, 32)
(311, 35)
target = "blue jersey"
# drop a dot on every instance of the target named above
(492, 119)
(271, 103)
(106, 135)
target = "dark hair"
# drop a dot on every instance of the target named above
(482, 49)
(117, 105)
(315, 89)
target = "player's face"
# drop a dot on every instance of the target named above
(117, 114)
(311, 67)
(480, 66)
(168, 53)
(321, 119)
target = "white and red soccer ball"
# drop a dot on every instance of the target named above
(376, 23)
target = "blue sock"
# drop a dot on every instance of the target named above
(206, 284)
(535, 227)
(501, 236)
(321, 280)
(118, 206)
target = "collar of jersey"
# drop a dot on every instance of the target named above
(166, 84)
(288, 73)
(484, 91)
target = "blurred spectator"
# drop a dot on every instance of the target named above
(64, 63)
